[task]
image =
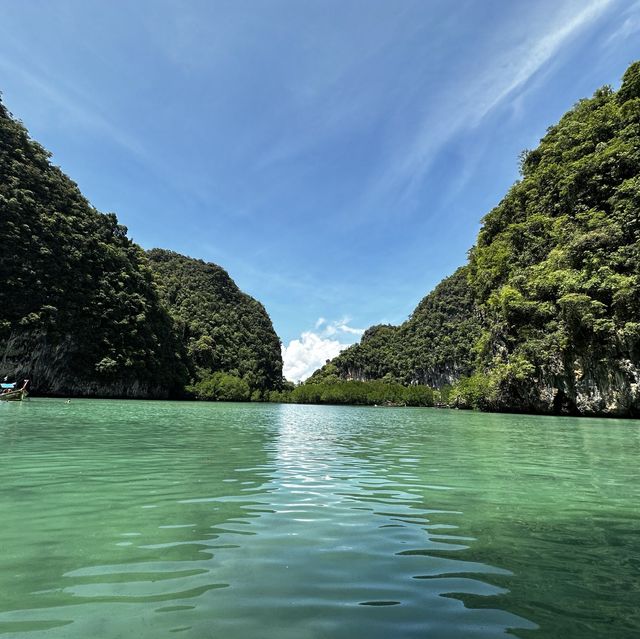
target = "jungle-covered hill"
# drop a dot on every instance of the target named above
(433, 347)
(222, 328)
(81, 311)
(546, 315)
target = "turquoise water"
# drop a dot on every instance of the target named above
(161, 519)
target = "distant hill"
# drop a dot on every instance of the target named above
(433, 347)
(222, 328)
(546, 315)
(81, 312)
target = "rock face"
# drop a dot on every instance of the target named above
(80, 309)
(79, 313)
(587, 387)
(556, 268)
(546, 315)
(51, 369)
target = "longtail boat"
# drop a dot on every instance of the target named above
(9, 392)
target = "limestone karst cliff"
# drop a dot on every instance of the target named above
(546, 315)
(81, 312)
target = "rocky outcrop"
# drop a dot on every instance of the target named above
(80, 310)
(222, 328)
(434, 347)
(51, 365)
(590, 388)
(544, 317)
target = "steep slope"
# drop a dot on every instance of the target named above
(439, 337)
(433, 347)
(82, 313)
(222, 328)
(547, 313)
(78, 310)
(556, 269)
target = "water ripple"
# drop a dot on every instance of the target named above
(147, 518)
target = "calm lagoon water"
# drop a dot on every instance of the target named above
(161, 519)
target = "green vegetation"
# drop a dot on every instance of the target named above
(556, 269)
(81, 312)
(373, 393)
(433, 347)
(222, 387)
(544, 318)
(222, 328)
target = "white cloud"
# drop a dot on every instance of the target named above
(338, 327)
(342, 325)
(305, 355)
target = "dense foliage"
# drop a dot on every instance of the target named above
(78, 309)
(433, 347)
(546, 315)
(81, 312)
(358, 393)
(222, 328)
(222, 387)
(556, 269)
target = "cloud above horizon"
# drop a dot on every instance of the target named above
(311, 351)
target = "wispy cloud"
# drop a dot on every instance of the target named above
(532, 55)
(629, 26)
(504, 71)
(341, 326)
(74, 103)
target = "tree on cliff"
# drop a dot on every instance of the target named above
(545, 315)
(81, 312)
(78, 309)
(433, 347)
(556, 268)
(222, 328)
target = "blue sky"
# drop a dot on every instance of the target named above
(336, 157)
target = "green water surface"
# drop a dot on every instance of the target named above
(157, 519)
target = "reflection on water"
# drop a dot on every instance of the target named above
(145, 518)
